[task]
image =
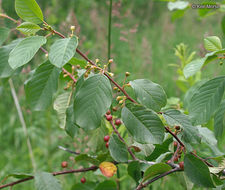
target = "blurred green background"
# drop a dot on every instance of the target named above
(144, 35)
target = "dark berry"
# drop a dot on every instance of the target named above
(177, 127)
(118, 122)
(176, 159)
(108, 112)
(83, 180)
(106, 138)
(64, 164)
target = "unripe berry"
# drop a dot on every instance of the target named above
(111, 60)
(83, 180)
(107, 145)
(127, 74)
(64, 164)
(118, 122)
(106, 138)
(181, 164)
(72, 28)
(109, 117)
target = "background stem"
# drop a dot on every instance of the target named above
(22, 121)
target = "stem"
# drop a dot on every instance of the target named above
(210, 165)
(109, 33)
(54, 174)
(8, 17)
(22, 121)
(175, 136)
(121, 138)
(143, 185)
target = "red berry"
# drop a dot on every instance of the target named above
(109, 117)
(83, 180)
(107, 145)
(106, 138)
(64, 164)
(175, 143)
(108, 112)
(176, 159)
(118, 122)
(181, 164)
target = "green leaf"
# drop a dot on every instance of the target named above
(4, 32)
(60, 105)
(208, 137)
(160, 149)
(134, 170)
(219, 168)
(180, 5)
(62, 51)
(92, 100)
(143, 124)
(41, 87)
(75, 61)
(156, 169)
(191, 91)
(28, 28)
(149, 94)
(197, 171)
(87, 158)
(70, 127)
(206, 100)
(96, 143)
(46, 181)
(25, 51)
(108, 184)
(5, 69)
(189, 133)
(29, 11)
(118, 149)
(193, 67)
(212, 43)
(19, 175)
(219, 120)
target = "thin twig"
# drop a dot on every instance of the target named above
(70, 151)
(175, 136)
(22, 121)
(54, 174)
(121, 138)
(64, 70)
(210, 165)
(143, 185)
(8, 17)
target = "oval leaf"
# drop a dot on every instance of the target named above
(206, 100)
(25, 51)
(4, 32)
(134, 170)
(41, 87)
(156, 169)
(46, 181)
(92, 100)
(149, 94)
(118, 149)
(212, 43)
(62, 51)
(108, 169)
(197, 171)
(143, 124)
(219, 120)
(28, 28)
(29, 11)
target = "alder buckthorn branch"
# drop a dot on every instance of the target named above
(92, 168)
